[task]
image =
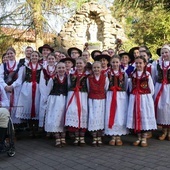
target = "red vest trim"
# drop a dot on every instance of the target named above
(97, 90)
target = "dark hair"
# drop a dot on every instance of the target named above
(142, 58)
(52, 54)
(11, 49)
(29, 47)
(3, 55)
(146, 50)
(36, 52)
(115, 56)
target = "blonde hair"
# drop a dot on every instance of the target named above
(97, 62)
(83, 59)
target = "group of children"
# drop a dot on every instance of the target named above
(110, 98)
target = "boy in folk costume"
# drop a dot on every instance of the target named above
(56, 104)
(45, 50)
(76, 108)
(162, 89)
(141, 114)
(97, 85)
(125, 60)
(70, 64)
(116, 103)
(29, 97)
(74, 52)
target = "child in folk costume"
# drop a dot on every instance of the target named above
(56, 104)
(9, 79)
(162, 91)
(146, 54)
(125, 60)
(134, 52)
(97, 85)
(104, 59)
(70, 64)
(141, 114)
(48, 72)
(150, 68)
(29, 96)
(116, 103)
(45, 50)
(76, 108)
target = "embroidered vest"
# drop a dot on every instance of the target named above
(28, 76)
(160, 75)
(80, 82)
(118, 81)
(140, 85)
(59, 88)
(9, 77)
(97, 90)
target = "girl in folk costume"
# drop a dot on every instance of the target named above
(29, 96)
(116, 115)
(162, 90)
(97, 85)
(141, 114)
(56, 104)
(144, 52)
(9, 76)
(48, 72)
(104, 59)
(76, 109)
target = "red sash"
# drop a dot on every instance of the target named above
(33, 89)
(76, 94)
(137, 104)
(113, 105)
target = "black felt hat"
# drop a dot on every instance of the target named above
(93, 52)
(99, 57)
(45, 46)
(69, 59)
(158, 51)
(74, 48)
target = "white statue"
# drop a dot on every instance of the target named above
(93, 32)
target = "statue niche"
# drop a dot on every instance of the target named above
(92, 31)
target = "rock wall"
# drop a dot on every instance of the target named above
(76, 32)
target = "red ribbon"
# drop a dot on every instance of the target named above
(137, 103)
(137, 111)
(113, 105)
(33, 89)
(11, 69)
(76, 94)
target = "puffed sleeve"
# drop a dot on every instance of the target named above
(2, 76)
(21, 76)
(151, 85)
(106, 83)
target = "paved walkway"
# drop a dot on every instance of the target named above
(40, 153)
